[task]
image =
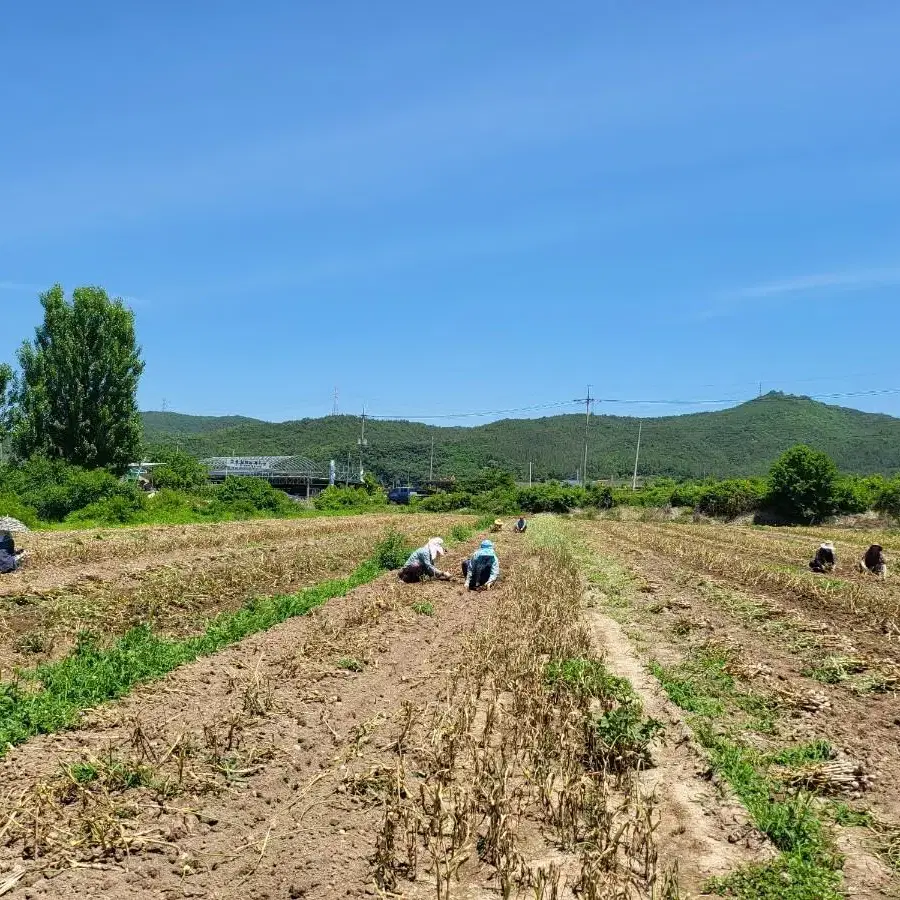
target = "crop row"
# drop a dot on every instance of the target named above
(871, 600)
(178, 600)
(63, 547)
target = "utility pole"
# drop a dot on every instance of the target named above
(431, 463)
(587, 421)
(362, 442)
(530, 465)
(637, 455)
(334, 404)
(347, 473)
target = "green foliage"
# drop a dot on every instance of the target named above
(349, 499)
(816, 751)
(489, 479)
(460, 533)
(11, 505)
(79, 377)
(7, 390)
(588, 678)
(732, 498)
(423, 608)
(123, 509)
(392, 551)
(179, 471)
(599, 496)
(251, 497)
(621, 737)
(888, 499)
(54, 489)
(802, 485)
(444, 501)
(350, 664)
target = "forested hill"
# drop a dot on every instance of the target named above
(743, 440)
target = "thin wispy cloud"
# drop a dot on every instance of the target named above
(819, 282)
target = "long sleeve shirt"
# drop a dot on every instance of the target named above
(422, 557)
(495, 565)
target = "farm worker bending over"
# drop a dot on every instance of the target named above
(825, 559)
(521, 525)
(874, 561)
(482, 569)
(498, 525)
(10, 558)
(421, 562)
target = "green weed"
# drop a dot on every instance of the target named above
(588, 678)
(817, 751)
(848, 817)
(350, 664)
(459, 534)
(685, 692)
(392, 551)
(423, 608)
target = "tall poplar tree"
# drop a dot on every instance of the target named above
(77, 394)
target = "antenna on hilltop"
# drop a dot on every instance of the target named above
(334, 405)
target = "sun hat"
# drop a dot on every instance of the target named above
(487, 545)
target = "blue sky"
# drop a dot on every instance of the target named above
(471, 207)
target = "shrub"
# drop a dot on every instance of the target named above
(392, 551)
(54, 488)
(11, 505)
(853, 494)
(888, 499)
(732, 498)
(688, 493)
(248, 497)
(119, 510)
(551, 497)
(443, 501)
(599, 496)
(802, 485)
(179, 471)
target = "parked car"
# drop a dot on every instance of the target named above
(402, 495)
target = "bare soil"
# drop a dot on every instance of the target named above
(263, 764)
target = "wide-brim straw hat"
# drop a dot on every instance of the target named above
(8, 523)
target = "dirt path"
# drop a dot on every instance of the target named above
(706, 833)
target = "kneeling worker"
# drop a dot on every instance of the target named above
(520, 526)
(825, 558)
(421, 562)
(482, 569)
(10, 558)
(874, 561)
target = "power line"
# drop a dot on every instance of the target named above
(622, 401)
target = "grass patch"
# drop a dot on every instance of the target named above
(686, 693)
(459, 534)
(50, 697)
(618, 736)
(350, 664)
(392, 551)
(801, 755)
(807, 867)
(588, 678)
(423, 608)
(845, 815)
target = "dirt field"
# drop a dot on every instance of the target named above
(570, 732)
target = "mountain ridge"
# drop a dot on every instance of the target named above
(737, 441)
